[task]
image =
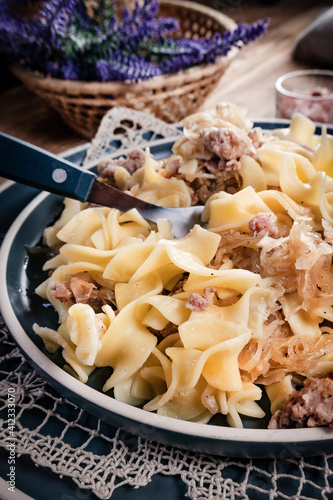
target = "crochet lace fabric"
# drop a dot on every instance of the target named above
(100, 458)
(47, 425)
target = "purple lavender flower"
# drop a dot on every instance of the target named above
(122, 68)
(65, 40)
(53, 69)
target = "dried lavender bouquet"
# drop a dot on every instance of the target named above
(84, 40)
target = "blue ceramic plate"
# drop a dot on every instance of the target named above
(19, 275)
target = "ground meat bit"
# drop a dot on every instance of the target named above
(264, 224)
(171, 167)
(202, 193)
(83, 290)
(62, 292)
(135, 160)
(106, 168)
(198, 302)
(101, 297)
(232, 165)
(217, 165)
(179, 286)
(227, 143)
(170, 329)
(107, 296)
(257, 137)
(80, 289)
(312, 406)
(213, 166)
(241, 257)
(224, 180)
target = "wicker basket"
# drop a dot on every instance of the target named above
(82, 105)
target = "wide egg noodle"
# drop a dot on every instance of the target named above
(54, 339)
(82, 226)
(300, 181)
(243, 402)
(166, 193)
(323, 155)
(300, 131)
(279, 391)
(168, 257)
(238, 280)
(84, 332)
(252, 174)
(71, 208)
(228, 211)
(221, 343)
(187, 405)
(127, 260)
(250, 311)
(169, 309)
(119, 227)
(127, 344)
(303, 323)
(44, 291)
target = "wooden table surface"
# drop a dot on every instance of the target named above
(248, 82)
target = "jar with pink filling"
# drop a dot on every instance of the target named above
(309, 92)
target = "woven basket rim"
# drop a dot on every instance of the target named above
(221, 18)
(189, 74)
(196, 72)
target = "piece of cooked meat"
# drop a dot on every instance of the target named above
(227, 143)
(264, 223)
(134, 160)
(312, 406)
(198, 302)
(80, 289)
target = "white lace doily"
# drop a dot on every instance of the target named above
(123, 128)
(104, 458)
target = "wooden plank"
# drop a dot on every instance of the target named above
(250, 80)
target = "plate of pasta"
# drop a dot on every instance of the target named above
(217, 342)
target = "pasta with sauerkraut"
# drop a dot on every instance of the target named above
(198, 326)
